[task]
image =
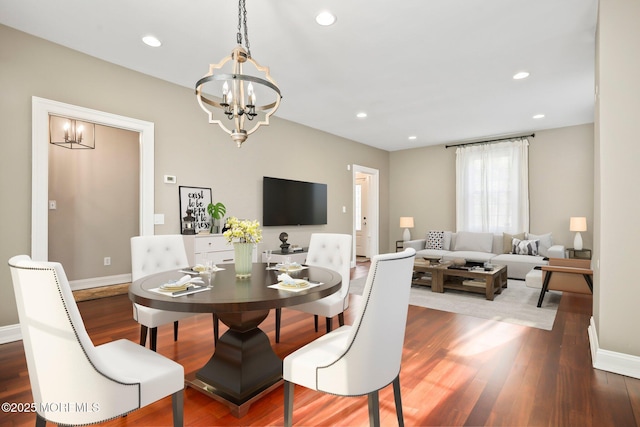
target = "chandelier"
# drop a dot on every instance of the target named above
(238, 82)
(71, 133)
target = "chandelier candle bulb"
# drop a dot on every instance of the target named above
(225, 94)
(251, 95)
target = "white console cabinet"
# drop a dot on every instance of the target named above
(277, 256)
(212, 246)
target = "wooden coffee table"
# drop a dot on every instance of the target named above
(477, 280)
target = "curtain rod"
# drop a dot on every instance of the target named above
(490, 140)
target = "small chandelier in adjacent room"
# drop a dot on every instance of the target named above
(71, 133)
(239, 84)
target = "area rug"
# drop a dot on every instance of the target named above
(516, 304)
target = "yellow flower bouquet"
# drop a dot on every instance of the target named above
(244, 231)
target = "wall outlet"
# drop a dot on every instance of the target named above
(107, 260)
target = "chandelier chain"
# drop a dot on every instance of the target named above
(242, 22)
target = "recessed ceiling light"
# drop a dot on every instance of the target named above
(361, 115)
(521, 75)
(325, 18)
(538, 116)
(413, 137)
(151, 41)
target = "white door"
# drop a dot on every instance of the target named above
(361, 212)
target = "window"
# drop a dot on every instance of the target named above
(492, 187)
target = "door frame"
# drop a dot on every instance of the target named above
(363, 240)
(40, 110)
(373, 209)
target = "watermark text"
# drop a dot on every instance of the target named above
(50, 407)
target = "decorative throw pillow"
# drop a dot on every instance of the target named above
(435, 240)
(524, 247)
(546, 242)
(475, 242)
(446, 245)
(507, 240)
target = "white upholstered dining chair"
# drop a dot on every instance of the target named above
(150, 255)
(364, 357)
(72, 381)
(332, 251)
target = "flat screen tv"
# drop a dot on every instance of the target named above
(288, 202)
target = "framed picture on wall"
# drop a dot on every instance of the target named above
(197, 199)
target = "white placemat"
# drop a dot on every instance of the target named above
(279, 286)
(174, 294)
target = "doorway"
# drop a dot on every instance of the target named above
(41, 109)
(361, 213)
(93, 206)
(366, 212)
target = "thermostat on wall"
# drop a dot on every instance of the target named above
(170, 179)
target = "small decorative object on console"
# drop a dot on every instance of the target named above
(284, 247)
(216, 211)
(189, 223)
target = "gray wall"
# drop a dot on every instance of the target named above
(617, 291)
(186, 146)
(560, 185)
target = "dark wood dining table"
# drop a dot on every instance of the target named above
(243, 366)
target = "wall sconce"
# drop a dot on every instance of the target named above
(71, 133)
(406, 222)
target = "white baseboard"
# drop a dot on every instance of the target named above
(611, 361)
(10, 333)
(96, 282)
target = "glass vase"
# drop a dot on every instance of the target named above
(243, 253)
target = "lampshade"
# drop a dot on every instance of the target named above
(406, 222)
(578, 223)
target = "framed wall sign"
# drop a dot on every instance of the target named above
(197, 199)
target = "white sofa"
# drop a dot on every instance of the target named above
(489, 247)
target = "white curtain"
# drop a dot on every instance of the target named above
(492, 187)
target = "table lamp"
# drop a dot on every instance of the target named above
(578, 224)
(406, 222)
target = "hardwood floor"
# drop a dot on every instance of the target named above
(457, 371)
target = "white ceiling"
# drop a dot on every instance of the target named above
(437, 69)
